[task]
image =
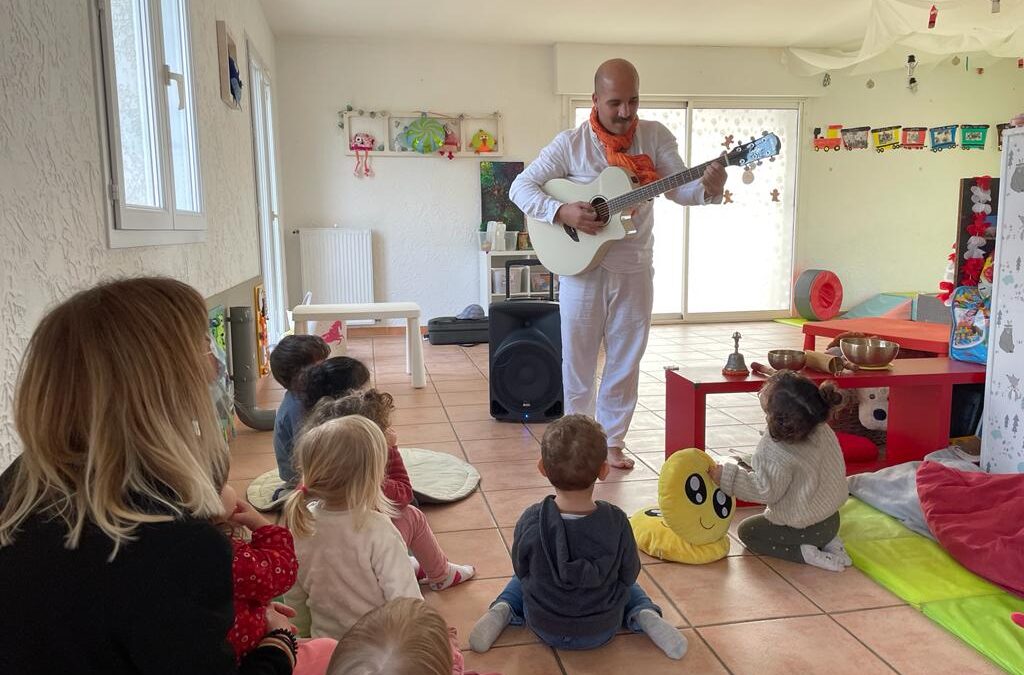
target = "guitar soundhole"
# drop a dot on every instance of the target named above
(601, 206)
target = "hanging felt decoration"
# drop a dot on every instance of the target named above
(933, 14)
(483, 141)
(855, 138)
(995, 6)
(943, 138)
(425, 135)
(727, 143)
(748, 175)
(362, 143)
(451, 142)
(726, 197)
(775, 195)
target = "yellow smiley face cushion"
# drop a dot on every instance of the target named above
(691, 522)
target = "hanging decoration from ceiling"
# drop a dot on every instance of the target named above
(967, 26)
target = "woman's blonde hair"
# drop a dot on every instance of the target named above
(404, 637)
(113, 408)
(342, 462)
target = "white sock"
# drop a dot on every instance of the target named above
(662, 633)
(818, 558)
(489, 627)
(456, 575)
(836, 548)
(421, 576)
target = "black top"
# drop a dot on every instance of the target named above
(576, 573)
(163, 605)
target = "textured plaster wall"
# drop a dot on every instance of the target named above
(52, 195)
(424, 211)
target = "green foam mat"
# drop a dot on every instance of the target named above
(984, 623)
(791, 322)
(920, 572)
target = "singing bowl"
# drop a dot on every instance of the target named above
(869, 352)
(787, 359)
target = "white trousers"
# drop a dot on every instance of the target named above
(616, 308)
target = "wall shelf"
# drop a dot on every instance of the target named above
(388, 129)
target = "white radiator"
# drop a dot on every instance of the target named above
(337, 265)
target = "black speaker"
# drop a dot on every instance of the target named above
(526, 360)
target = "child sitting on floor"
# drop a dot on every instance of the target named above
(351, 558)
(404, 637)
(263, 568)
(290, 357)
(797, 472)
(575, 559)
(431, 564)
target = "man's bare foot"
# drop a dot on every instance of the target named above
(618, 460)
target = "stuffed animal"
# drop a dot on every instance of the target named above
(691, 522)
(864, 415)
(483, 141)
(362, 143)
(451, 142)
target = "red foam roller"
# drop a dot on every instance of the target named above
(818, 295)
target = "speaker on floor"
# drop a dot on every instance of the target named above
(526, 361)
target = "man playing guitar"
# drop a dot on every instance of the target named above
(613, 301)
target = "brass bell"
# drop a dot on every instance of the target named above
(735, 364)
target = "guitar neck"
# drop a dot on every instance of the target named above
(661, 186)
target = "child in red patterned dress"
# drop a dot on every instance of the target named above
(263, 568)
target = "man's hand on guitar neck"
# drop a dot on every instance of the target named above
(713, 180)
(579, 215)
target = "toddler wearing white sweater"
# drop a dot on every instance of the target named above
(798, 472)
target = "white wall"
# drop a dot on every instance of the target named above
(424, 211)
(51, 180)
(886, 222)
(882, 222)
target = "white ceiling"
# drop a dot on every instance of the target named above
(726, 23)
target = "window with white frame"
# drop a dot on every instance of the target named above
(155, 184)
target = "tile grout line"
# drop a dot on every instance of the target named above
(830, 617)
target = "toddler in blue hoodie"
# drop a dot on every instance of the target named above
(575, 559)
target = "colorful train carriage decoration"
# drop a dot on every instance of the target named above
(855, 138)
(943, 138)
(973, 136)
(886, 138)
(913, 138)
(1000, 128)
(830, 141)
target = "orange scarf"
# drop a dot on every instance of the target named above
(615, 147)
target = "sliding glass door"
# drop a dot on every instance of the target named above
(732, 261)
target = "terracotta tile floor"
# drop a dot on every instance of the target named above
(743, 614)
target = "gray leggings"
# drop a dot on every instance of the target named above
(764, 537)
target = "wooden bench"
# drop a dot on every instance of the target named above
(303, 315)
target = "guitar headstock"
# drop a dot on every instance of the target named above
(756, 150)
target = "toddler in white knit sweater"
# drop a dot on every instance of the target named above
(797, 472)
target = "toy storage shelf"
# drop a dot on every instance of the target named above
(495, 262)
(388, 129)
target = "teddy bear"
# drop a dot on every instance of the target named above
(861, 421)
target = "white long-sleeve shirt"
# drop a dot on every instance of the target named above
(579, 155)
(800, 483)
(345, 573)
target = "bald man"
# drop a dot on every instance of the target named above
(613, 301)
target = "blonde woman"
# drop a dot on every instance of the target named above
(108, 556)
(351, 558)
(404, 637)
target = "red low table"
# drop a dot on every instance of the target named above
(920, 394)
(917, 335)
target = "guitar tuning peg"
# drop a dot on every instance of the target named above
(759, 162)
(764, 133)
(752, 138)
(771, 159)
